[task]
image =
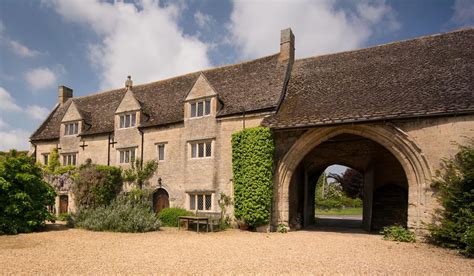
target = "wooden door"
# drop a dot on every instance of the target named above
(160, 200)
(63, 204)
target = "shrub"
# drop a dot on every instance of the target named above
(398, 233)
(63, 217)
(455, 191)
(24, 195)
(122, 215)
(169, 216)
(139, 173)
(282, 228)
(252, 164)
(96, 185)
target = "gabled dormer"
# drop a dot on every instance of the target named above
(128, 113)
(73, 121)
(201, 100)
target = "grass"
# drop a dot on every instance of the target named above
(346, 212)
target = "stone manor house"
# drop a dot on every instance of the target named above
(391, 112)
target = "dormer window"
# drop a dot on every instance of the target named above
(128, 120)
(200, 108)
(71, 128)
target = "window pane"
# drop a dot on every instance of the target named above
(200, 202)
(45, 159)
(127, 156)
(208, 202)
(193, 110)
(208, 149)
(76, 128)
(200, 109)
(122, 121)
(64, 160)
(127, 120)
(208, 107)
(193, 150)
(192, 202)
(122, 157)
(201, 149)
(65, 129)
(161, 152)
(134, 118)
(132, 155)
(74, 160)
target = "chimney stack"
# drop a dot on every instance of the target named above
(287, 46)
(64, 94)
(129, 82)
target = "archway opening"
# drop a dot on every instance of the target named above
(161, 200)
(339, 197)
(385, 186)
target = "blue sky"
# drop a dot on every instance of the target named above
(92, 45)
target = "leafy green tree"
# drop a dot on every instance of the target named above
(24, 195)
(352, 182)
(454, 225)
(140, 173)
(53, 161)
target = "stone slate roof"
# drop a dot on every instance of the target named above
(249, 86)
(427, 76)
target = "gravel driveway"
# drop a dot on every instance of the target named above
(77, 251)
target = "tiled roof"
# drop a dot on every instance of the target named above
(248, 86)
(427, 76)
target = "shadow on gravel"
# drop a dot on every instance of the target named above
(338, 224)
(51, 227)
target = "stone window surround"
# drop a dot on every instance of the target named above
(124, 149)
(74, 125)
(132, 121)
(158, 144)
(69, 158)
(45, 158)
(196, 101)
(193, 197)
(199, 141)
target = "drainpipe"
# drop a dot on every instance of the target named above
(108, 152)
(141, 151)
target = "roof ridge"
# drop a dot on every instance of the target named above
(179, 76)
(389, 43)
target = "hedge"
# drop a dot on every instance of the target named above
(252, 164)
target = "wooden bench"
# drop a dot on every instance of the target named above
(194, 219)
(210, 219)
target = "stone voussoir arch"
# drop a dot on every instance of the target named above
(395, 140)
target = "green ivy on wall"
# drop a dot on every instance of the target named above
(252, 164)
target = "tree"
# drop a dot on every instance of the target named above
(454, 224)
(24, 195)
(139, 173)
(53, 161)
(352, 182)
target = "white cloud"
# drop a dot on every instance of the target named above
(3, 124)
(145, 41)
(7, 102)
(15, 46)
(204, 21)
(21, 50)
(14, 139)
(463, 13)
(319, 26)
(40, 78)
(37, 112)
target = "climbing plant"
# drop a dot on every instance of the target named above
(454, 225)
(252, 164)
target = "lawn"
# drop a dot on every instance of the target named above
(342, 212)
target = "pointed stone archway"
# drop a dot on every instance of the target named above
(397, 142)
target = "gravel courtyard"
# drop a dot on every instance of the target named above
(64, 251)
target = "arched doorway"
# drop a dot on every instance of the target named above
(160, 200)
(302, 162)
